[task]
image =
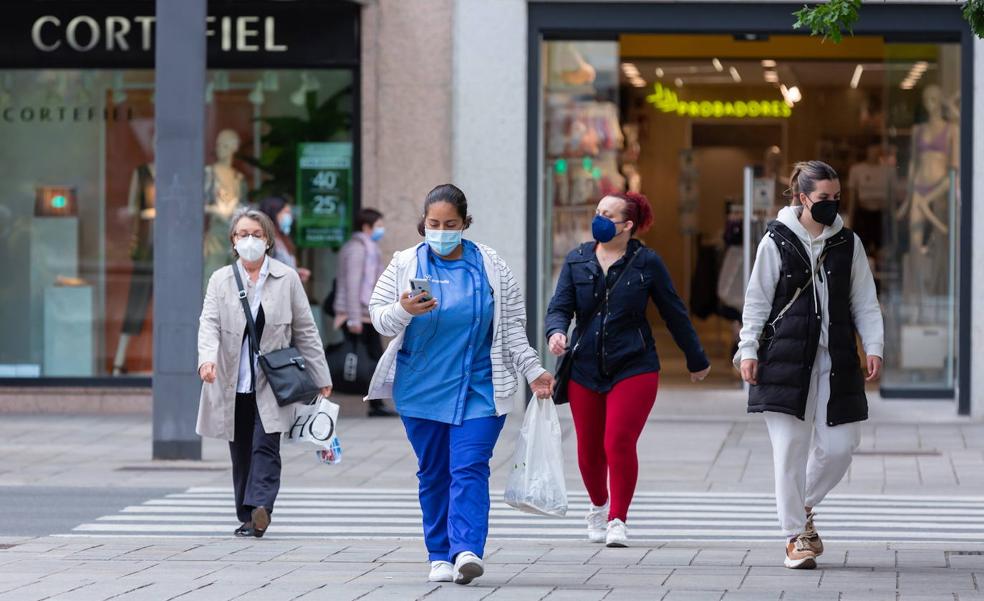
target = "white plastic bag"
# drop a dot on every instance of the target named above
(315, 423)
(536, 482)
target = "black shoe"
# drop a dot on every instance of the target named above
(378, 409)
(261, 521)
(245, 530)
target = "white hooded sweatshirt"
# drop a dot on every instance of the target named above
(765, 276)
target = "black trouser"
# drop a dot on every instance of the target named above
(869, 227)
(373, 341)
(255, 460)
(374, 346)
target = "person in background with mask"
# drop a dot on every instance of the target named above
(279, 211)
(453, 370)
(237, 403)
(607, 285)
(811, 292)
(359, 266)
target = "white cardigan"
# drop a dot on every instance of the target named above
(511, 351)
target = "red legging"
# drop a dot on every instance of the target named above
(608, 427)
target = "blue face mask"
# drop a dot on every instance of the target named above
(443, 242)
(603, 228)
(377, 233)
(286, 220)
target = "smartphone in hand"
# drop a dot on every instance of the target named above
(420, 286)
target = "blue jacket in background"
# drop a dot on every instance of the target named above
(618, 343)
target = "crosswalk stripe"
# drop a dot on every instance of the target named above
(392, 513)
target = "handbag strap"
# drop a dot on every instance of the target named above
(598, 307)
(254, 342)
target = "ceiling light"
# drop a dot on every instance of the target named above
(769, 63)
(790, 95)
(915, 74)
(735, 75)
(717, 65)
(856, 79)
(630, 69)
(659, 72)
(678, 82)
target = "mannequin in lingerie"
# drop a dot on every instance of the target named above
(143, 210)
(935, 153)
(225, 191)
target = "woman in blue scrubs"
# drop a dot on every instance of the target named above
(452, 373)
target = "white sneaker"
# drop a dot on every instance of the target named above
(467, 567)
(441, 571)
(617, 536)
(597, 523)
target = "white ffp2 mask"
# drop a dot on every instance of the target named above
(251, 249)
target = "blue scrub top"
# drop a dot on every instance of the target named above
(444, 368)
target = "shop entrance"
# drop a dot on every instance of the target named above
(680, 118)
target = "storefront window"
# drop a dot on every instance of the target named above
(77, 200)
(683, 118)
(919, 255)
(582, 143)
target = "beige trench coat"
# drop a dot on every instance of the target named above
(220, 339)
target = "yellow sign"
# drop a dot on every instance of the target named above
(666, 101)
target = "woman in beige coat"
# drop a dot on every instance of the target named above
(237, 403)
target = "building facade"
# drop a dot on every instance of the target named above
(535, 109)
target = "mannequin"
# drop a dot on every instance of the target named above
(225, 192)
(869, 192)
(574, 70)
(143, 210)
(630, 157)
(935, 152)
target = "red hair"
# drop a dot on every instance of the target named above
(637, 210)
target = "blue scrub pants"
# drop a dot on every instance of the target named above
(454, 473)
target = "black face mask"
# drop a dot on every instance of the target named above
(825, 212)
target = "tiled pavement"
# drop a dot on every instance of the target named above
(695, 443)
(219, 569)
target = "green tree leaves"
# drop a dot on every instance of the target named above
(837, 17)
(831, 20)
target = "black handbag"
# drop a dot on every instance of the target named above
(285, 370)
(351, 363)
(562, 376)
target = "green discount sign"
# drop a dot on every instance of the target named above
(324, 193)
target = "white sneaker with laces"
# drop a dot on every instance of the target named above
(617, 535)
(597, 523)
(441, 571)
(467, 567)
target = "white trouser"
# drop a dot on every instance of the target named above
(803, 478)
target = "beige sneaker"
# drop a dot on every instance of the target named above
(813, 538)
(798, 554)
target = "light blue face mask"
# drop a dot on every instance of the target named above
(377, 233)
(443, 242)
(286, 220)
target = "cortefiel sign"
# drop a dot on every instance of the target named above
(120, 34)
